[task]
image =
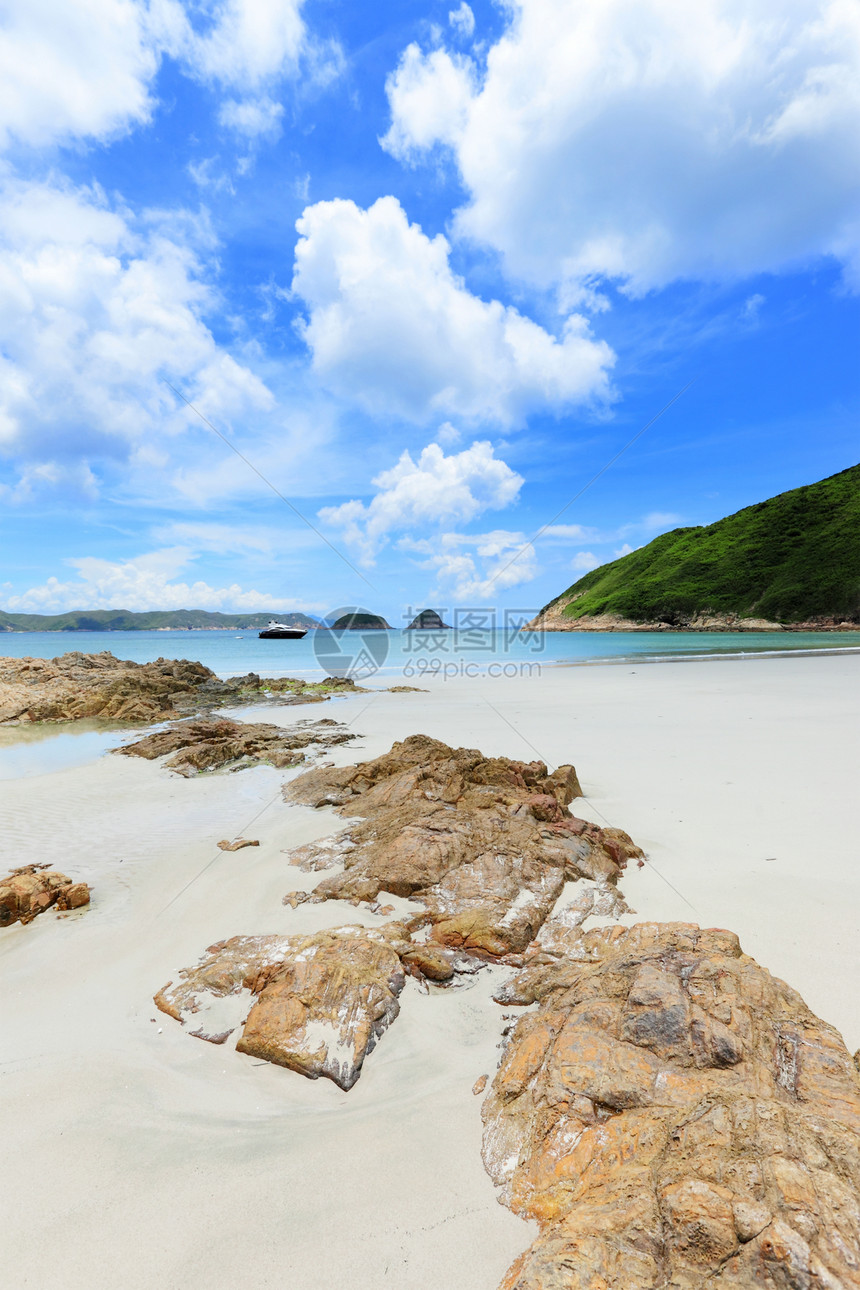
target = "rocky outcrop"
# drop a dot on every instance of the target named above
(673, 1115)
(33, 888)
(210, 743)
(315, 1004)
(554, 619)
(485, 844)
(77, 685)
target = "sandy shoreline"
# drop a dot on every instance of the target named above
(139, 1156)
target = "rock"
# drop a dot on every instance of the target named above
(76, 685)
(485, 844)
(406, 689)
(225, 845)
(323, 1010)
(672, 1115)
(31, 889)
(318, 1004)
(208, 743)
(479, 1085)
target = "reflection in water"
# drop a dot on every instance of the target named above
(42, 749)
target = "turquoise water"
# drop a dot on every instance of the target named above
(413, 654)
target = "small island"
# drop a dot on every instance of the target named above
(427, 621)
(360, 622)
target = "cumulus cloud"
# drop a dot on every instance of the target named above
(476, 568)
(95, 308)
(648, 141)
(87, 69)
(145, 582)
(434, 490)
(73, 69)
(392, 326)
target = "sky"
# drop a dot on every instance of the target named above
(305, 305)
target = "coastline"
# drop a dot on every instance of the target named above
(738, 783)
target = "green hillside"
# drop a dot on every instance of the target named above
(793, 558)
(123, 620)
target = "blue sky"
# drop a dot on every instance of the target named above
(429, 267)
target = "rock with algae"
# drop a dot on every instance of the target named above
(76, 685)
(673, 1116)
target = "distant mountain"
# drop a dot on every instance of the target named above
(792, 560)
(123, 620)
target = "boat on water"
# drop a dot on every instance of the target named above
(280, 632)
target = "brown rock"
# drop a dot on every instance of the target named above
(77, 685)
(32, 889)
(322, 1001)
(209, 743)
(226, 845)
(484, 843)
(479, 1085)
(324, 1009)
(672, 1115)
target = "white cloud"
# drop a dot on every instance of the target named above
(462, 20)
(393, 327)
(66, 69)
(145, 582)
(434, 490)
(625, 549)
(95, 309)
(649, 140)
(501, 560)
(247, 42)
(86, 69)
(584, 561)
(252, 117)
(431, 97)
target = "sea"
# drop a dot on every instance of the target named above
(406, 656)
(394, 657)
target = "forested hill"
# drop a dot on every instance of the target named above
(792, 559)
(123, 620)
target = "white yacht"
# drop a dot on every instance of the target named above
(280, 632)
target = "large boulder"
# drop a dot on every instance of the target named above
(485, 844)
(673, 1115)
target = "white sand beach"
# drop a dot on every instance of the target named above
(135, 1155)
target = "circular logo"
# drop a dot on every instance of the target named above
(351, 642)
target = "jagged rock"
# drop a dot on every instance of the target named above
(238, 844)
(324, 1008)
(674, 1116)
(318, 1004)
(76, 685)
(484, 843)
(211, 742)
(33, 888)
